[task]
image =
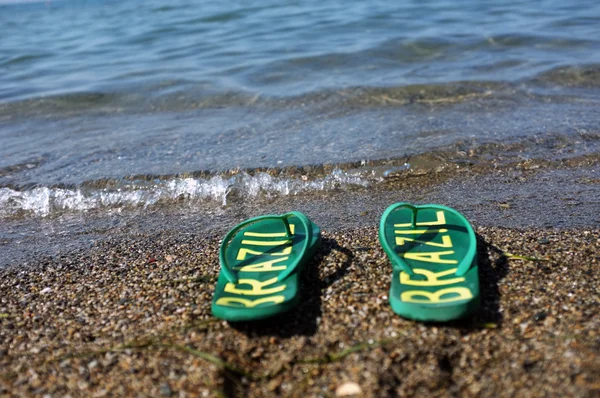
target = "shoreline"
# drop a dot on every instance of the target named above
(507, 196)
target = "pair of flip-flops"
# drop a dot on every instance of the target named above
(432, 250)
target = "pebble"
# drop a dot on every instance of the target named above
(540, 316)
(348, 389)
(165, 390)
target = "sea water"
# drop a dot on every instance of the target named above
(111, 105)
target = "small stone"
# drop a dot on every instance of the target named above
(543, 241)
(540, 316)
(549, 321)
(165, 390)
(46, 290)
(83, 385)
(569, 354)
(347, 389)
(273, 385)
(528, 364)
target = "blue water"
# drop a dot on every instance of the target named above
(284, 48)
(96, 94)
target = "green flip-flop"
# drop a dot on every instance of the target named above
(261, 260)
(433, 251)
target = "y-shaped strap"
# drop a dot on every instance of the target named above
(228, 272)
(415, 210)
(462, 269)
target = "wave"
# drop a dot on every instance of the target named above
(584, 76)
(181, 95)
(220, 190)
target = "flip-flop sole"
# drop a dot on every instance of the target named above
(435, 275)
(258, 254)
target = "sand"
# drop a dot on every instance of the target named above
(130, 315)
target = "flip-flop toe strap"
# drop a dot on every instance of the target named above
(462, 269)
(228, 271)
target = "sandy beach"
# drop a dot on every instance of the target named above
(135, 135)
(131, 314)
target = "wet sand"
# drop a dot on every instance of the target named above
(131, 314)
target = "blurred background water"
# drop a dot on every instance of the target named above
(106, 103)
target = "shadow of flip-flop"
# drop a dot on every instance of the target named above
(302, 319)
(491, 272)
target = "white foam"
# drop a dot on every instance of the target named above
(43, 201)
